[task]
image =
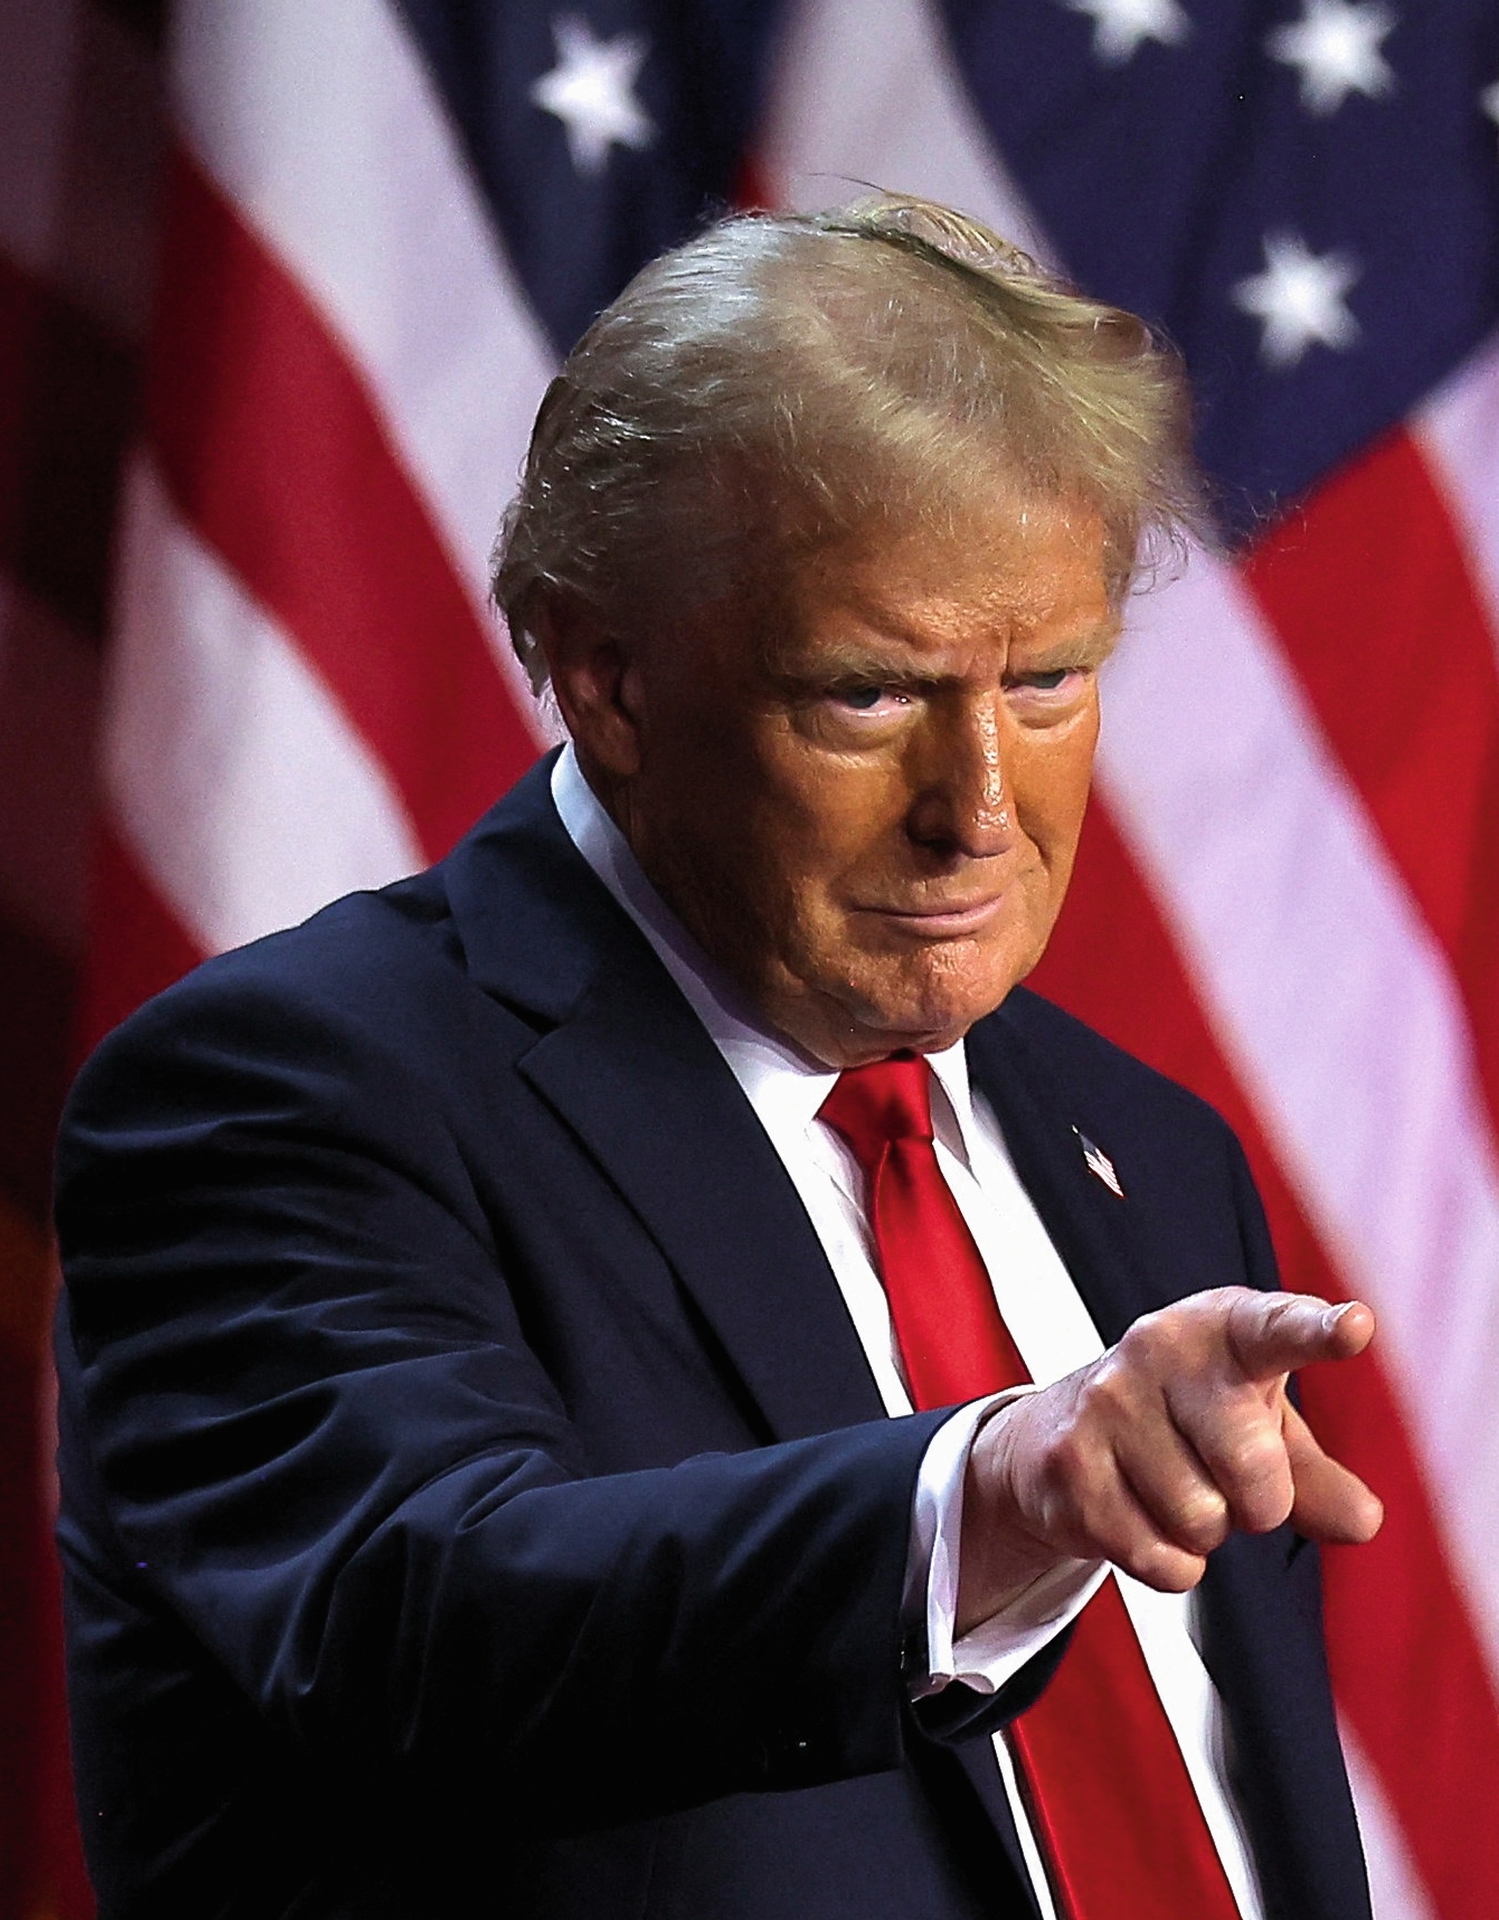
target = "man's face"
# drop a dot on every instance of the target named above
(868, 817)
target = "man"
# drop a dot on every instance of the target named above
(484, 1302)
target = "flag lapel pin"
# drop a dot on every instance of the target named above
(1099, 1164)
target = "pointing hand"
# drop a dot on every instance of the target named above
(1151, 1455)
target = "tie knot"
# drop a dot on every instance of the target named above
(885, 1101)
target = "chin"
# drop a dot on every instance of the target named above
(846, 1007)
(927, 1024)
(943, 1001)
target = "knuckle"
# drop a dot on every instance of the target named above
(1145, 1335)
(1109, 1393)
(1202, 1521)
(1067, 1473)
(1253, 1458)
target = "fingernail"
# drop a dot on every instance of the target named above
(1333, 1315)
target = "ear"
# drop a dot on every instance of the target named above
(599, 687)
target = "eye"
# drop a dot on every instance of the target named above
(886, 701)
(1048, 689)
(1049, 681)
(849, 713)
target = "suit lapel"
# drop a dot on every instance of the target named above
(1092, 1227)
(649, 1095)
(627, 1065)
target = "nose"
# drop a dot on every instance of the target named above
(961, 803)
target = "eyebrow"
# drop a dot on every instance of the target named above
(1096, 644)
(851, 659)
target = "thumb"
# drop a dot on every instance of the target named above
(1329, 1503)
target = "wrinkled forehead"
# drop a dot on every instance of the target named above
(1007, 556)
(859, 506)
(1011, 566)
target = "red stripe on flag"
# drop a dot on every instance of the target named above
(276, 456)
(1407, 1667)
(752, 191)
(1369, 590)
(1405, 1664)
(68, 394)
(141, 946)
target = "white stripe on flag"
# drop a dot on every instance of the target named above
(1394, 1889)
(234, 776)
(1458, 430)
(858, 103)
(322, 124)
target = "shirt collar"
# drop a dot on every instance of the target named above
(784, 1088)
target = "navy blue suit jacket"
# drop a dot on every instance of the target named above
(475, 1498)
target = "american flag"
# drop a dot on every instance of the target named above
(380, 226)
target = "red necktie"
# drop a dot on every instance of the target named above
(1110, 1799)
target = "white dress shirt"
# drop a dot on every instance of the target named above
(1036, 1297)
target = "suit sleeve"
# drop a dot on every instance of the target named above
(306, 1423)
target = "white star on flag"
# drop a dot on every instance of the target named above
(591, 91)
(1489, 101)
(1119, 26)
(1299, 298)
(1336, 46)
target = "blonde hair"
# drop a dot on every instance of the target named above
(787, 380)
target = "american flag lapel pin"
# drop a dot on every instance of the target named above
(1098, 1163)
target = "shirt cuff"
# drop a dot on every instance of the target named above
(996, 1649)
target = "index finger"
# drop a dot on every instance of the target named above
(1274, 1333)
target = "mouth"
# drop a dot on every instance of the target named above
(943, 922)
